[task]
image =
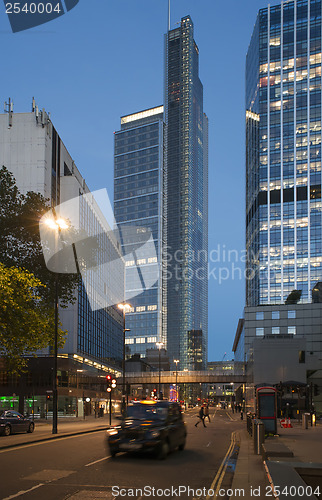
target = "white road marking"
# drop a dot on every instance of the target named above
(97, 461)
(208, 444)
(23, 492)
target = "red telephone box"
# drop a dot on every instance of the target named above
(266, 408)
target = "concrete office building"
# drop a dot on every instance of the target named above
(281, 343)
(32, 150)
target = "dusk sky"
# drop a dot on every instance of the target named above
(105, 59)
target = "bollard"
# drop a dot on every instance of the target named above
(258, 436)
(254, 434)
(260, 432)
(305, 420)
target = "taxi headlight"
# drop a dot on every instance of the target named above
(152, 434)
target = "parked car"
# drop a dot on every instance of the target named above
(150, 426)
(12, 421)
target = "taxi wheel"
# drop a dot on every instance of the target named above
(7, 430)
(31, 428)
(182, 445)
(164, 451)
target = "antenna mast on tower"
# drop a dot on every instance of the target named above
(169, 18)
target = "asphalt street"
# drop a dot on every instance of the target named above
(79, 467)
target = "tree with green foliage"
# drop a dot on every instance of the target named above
(20, 244)
(26, 321)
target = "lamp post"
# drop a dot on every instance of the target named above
(56, 224)
(176, 361)
(159, 345)
(125, 308)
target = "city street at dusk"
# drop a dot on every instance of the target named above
(161, 249)
(80, 466)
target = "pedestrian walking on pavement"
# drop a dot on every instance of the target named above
(201, 416)
(241, 415)
(206, 413)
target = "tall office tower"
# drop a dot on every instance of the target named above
(187, 195)
(139, 202)
(283, 153)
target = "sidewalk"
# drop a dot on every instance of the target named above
(66, 427)
(306, 444)
(250, 472)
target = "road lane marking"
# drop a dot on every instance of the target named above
(208, 444)
(97, 461)
(219, 476)
(23, 492)
(225, 466)
(228, 415)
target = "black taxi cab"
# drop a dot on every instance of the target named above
(149, 426)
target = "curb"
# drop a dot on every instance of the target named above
(54, 436)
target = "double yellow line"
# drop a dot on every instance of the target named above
(222, 469)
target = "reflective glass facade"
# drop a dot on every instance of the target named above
(139, 201)
(187, 196)
(100, 332)
(283, 153)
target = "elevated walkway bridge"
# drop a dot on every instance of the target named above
(184, 377)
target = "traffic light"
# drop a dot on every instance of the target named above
(108, 383)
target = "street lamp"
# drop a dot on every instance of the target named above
(56, 224)
(159, 345)
(125, 308)
(176, 361)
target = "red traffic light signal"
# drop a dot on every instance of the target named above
(108, 377)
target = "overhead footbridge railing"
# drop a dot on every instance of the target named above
(185, 377)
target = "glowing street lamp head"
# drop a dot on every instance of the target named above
(159, 344)
(56, 223)
(176, 361)
(124, 307)
(51, 223)
(62, 224)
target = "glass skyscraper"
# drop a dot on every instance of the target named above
(187, 196)
(139, 201)
(283, 153)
